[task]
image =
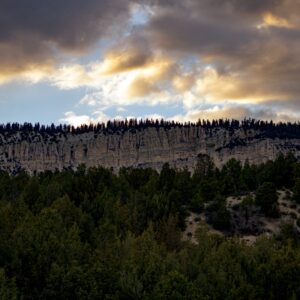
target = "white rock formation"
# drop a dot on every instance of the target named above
(148, 147)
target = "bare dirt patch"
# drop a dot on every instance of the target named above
(247, 222)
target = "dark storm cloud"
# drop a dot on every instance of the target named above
(247, 6)
(209, 26)
(256, 41)
(35, 31)
(199, 36)
(253, 45)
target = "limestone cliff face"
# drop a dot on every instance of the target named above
(145, 147)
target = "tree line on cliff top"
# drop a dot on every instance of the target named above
(93, 234)
(270, 128)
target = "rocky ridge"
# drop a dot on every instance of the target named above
(143, 147)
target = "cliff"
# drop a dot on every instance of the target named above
(148, 146)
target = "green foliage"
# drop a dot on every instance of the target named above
(266, 198)
(209, 189)
(288, 232)
(296, 191)
(172, 286)
(8, 290)
(93, 234)
(248, 201)
(197, 203)
(232, 176)
(166, 178)
(218, 215)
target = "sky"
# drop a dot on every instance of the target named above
(75, 62)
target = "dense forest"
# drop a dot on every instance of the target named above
(268, 128)
(93, 234)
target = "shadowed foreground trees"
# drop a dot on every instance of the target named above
(92, 234)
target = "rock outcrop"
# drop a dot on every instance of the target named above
(142, 147)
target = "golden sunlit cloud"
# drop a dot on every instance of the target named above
(183, 82)
(140, 87)
(119, 85)
(219, 87)
(32, 74)
(123, 62)
(270, 20)
(146, 81)
(237, 113)
(213, 113)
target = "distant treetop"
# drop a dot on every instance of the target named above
(271, 129)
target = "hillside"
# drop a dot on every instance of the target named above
(229, 233)
(144, 144)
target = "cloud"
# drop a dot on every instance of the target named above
(77, 120)
(36, 33)
(122, 86)
(272, 20)
(231, 111)
(184, 82)
(237, 113)
(213, 113)
(232, 57)
(127, 56)
(240, 61)
(70, 77)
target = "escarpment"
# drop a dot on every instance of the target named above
(146, 146)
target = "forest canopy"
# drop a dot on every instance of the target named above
(94, 234)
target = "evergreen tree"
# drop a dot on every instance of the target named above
(266, 198)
